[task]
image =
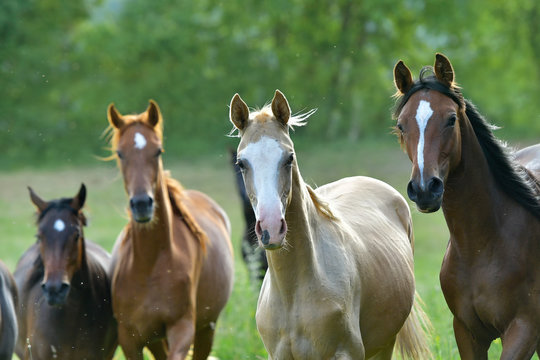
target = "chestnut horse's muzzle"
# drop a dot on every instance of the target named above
(142, 208)
(427, 198)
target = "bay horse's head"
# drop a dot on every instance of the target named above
(137, 140)
(266, 159)
(429, 116)
(61, 242)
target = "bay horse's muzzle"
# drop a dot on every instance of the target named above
(142, 208)
(428, 198)
(55, 292)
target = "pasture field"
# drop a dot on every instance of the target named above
(236, 335)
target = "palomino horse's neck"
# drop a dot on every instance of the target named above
(150, 239)
(472, 200)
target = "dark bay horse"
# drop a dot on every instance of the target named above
(173, 262)
(64, 307)
(8, 319)
(490, 274)
(253, 255)
(340, 279)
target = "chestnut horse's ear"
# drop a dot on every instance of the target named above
(280, 107)
(115, 119)
(37, 201)
(402, 77)
(154, 114)
(78, 201)
(238, 112)
(443, 70)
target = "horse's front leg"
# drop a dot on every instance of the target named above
(519, 341)
(180, 337)
(469, 347)
(129, 340)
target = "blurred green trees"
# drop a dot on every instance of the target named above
(62, 63)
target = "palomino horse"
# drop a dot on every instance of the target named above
(340, 281)
(64, 290)
(490, 274)
(173, 262)
(253, 255)
(8, 319)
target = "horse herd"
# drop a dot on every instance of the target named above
(337, 267)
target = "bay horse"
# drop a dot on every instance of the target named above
(253, 255)
(8, 318)
(490, 275)
(64, 307)
(340, 280)
(173, 262)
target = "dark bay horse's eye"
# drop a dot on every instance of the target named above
(119, 154)
(399, 127)
(159, 152)
(451, 120)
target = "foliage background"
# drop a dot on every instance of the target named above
(62, 63)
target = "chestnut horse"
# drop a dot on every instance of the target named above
(173, 262)
(490, 274)
(8, 319)
(64, 290)
(340, 279)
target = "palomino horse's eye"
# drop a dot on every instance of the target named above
(451, 120)
(289, 160)
(240, 164)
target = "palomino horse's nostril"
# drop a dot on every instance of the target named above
(265, 237)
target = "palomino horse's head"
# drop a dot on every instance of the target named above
(61, 242)
(266, 159)
(137, 140)
(429, 117)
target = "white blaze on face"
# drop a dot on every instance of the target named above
(59, 225)
(140, 141)
(263, 157)
(423, 114)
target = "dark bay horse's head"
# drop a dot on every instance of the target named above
(61, 242)
(137, 140)
(429, 117)
(266, 159)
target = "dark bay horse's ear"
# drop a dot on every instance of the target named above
(443, 70)
(78, 200)
(238, 112)
(280, 107)
(154, 114)
(37, 201)
(402, 77)
(115, 119)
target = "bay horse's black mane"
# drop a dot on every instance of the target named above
(513, 179)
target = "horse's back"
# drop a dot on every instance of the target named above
(8, 319)
(529, 157)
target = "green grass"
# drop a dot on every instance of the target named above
(236, 336)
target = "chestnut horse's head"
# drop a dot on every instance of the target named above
(137, 140)
(266, 159)
(429, 117)
(61, 242)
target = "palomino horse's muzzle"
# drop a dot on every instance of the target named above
(271, 235)
(427, 198)
(142, 208)
(55, 292)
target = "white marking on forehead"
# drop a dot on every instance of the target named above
(140, 141)
(59, 225)
(423, 114)
(263, 157)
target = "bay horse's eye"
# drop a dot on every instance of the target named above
(451, 120)
(400, 128)
(119, 154)
(159, 152)
(289, 160)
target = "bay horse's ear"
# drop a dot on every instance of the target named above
(115, 119)
(154, 114)
(37, 201)
(280, 107)
(238, 112)
(78, 200)
(443, 70)
(402, 77)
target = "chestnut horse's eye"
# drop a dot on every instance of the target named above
(451, 120)
(119, 154)
(159, 152)
(400, 128)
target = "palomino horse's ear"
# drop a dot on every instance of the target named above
(238, 112)
(115, 119)
(443, 70)
(280, 107)
(154, 114)
(402, 77)
(37, 201)
(78, 200)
